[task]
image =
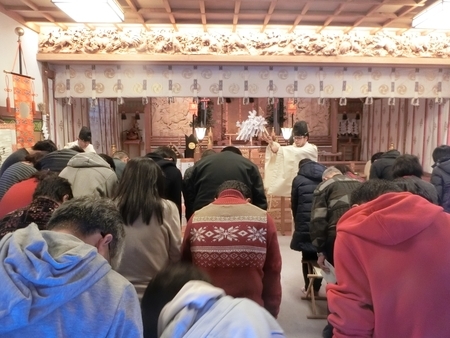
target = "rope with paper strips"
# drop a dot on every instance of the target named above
(253, 126)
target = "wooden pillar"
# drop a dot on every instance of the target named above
(334, 124)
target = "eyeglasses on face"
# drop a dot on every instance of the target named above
(299, 137)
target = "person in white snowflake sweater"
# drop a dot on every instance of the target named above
(236, 244)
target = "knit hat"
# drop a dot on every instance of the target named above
(300, 129)
(85, 134)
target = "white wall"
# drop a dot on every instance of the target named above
(30, 41)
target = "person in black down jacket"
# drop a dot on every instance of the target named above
(440, 176)
(308, 177)
(167, 161)
(408, 167)
(209, 173)
(382, 168)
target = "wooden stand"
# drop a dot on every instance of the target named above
(282, 218)
(311, 293)
(129, 144)
(351, 147)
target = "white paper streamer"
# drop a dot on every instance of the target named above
(42, 109)
(253, 126)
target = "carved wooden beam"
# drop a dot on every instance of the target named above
(340, 61)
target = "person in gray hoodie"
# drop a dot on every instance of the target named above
(180, 302)
(90, 174)
(60, 283)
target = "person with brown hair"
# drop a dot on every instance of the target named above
(19, 171)
(21, 194)
(152, 223)
(46, 146)
(166, 158)
(50, 193)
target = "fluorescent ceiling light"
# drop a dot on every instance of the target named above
(91, 11)
(435, 16)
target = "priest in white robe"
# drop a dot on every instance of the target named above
(281, 162)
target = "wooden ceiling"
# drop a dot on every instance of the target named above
(346, 15)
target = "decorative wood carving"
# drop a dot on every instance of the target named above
(156, 42)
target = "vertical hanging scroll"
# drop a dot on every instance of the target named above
(321, 100)
(120, 100)
(271, 99)
(23, 112)
(415, 99)
(439, 99)
(170, 99)
(195, 86)
(246, 99)
(220, 99)
(343, 99)
(295, 86)
(94, 101)
(369, 98)
(391, 100)
(68, 94)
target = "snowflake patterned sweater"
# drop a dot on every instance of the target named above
(236, 243)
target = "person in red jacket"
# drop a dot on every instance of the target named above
(236, 244)
(391, 259)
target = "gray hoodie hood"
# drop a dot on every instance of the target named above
(200, 310)
(87, 160)
(42, 271)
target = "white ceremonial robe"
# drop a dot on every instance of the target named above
(281, 167)
(89, 149)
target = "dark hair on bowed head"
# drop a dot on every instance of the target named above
(140, 190)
